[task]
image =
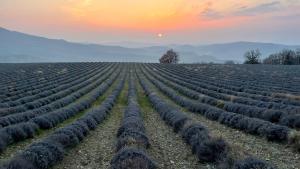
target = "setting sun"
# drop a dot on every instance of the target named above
(183, 20)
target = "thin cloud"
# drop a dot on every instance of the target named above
(259, 9)
(292, 17)
(209, 12)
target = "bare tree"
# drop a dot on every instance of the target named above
(170, 57)
(298, 52)
(273, 59)
(298, 56)
(288, 56)
(252, 57)
(285, 57)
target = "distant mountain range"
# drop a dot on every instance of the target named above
(18, 47)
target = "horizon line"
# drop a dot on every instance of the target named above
(137, 42)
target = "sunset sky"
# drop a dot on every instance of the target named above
(156, 21)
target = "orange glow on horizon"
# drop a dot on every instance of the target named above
(141, 16)
(151, 16)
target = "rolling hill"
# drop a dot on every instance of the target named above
(18, 47)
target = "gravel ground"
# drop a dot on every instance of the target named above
(167, 148)
(277, 154)
(98, 148)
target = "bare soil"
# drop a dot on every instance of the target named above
(98, 148)
(167, 148)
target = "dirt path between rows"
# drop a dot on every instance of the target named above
(167, 149)
(98, 148)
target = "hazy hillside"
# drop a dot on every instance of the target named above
(235, 51)
(14, 46)
(19, 47)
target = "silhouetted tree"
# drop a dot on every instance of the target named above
(288, 56)
(285, 57)
(297, 56)
(273, 59)
(298, 52)
(252, 57)
(170, 57)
